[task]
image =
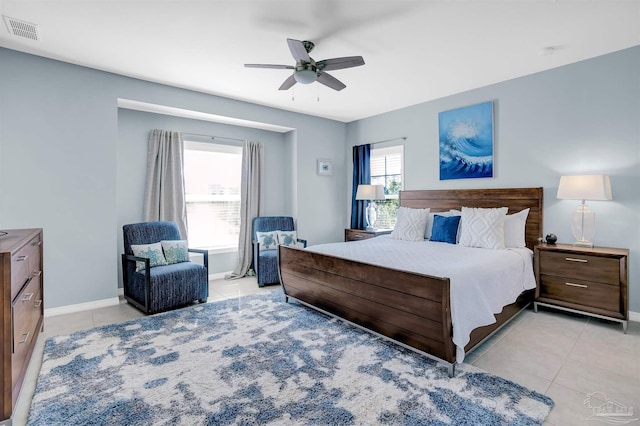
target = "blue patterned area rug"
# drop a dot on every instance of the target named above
(258, 360)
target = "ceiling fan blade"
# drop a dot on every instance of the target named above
(330, 81)
(340, 63)
(298, 50)
(288, 83)
(280, 67)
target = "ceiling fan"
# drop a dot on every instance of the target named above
(307, 70)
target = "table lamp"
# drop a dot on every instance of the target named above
(584, 187)
(370, 193)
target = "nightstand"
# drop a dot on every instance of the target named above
(361, 234)
(589, 281)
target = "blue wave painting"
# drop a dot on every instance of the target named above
(466, 142)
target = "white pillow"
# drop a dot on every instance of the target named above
(411, 224)
(482, 227)
(267, 240)
(287, 238)
(151, 251)
(514, 229)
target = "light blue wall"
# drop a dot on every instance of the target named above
(133, 133)
(579, 119)
(61, 160)
(63, 155)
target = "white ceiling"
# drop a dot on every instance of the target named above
(414, 51)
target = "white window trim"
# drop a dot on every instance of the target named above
(388, 150)
(215, 147)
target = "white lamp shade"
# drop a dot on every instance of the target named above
(585, 187)
(370, 192)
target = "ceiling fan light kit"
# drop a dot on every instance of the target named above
(307, 70)
(305, 73)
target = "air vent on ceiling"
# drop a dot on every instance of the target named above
(21, 28)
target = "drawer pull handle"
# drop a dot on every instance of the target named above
(27, 297)
(577, 285)
(573, 259)
(38, 303)
(36, 274)
(36, 243)
(26, 337)
(22, 258)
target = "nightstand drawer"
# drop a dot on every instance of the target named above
(580, 292)
(352, 235)
(361, 234)
(581, 267)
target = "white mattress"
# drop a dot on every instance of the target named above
(482, 281)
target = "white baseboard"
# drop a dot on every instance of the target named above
(69, 309)
(219, 275)
(634, 316)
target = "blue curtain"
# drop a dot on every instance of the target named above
(361, 175)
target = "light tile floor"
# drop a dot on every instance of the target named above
(573, 359)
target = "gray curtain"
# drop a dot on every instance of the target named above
(250, 205)
(164, 194)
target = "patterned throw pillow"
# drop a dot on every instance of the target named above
(287, 238)
(175, 251)
(151, 251)
(411, 224)
(267, 240)
(483, 227)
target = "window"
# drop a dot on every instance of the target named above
(212, 177)
(386, 169)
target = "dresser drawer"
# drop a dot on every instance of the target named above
(26, 311)
(581, 267)
(586, 293)
(24, 263)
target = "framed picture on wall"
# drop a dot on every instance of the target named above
(324, 167)
(466, 142)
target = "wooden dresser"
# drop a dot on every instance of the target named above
(22, 309)
(590, 281)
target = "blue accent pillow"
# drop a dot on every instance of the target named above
(445, 229)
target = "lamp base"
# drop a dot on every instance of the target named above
(586, 244)
(372, 215)
(583, 226)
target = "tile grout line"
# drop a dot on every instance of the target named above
(566, 357)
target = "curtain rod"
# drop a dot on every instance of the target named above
(212, 137)
(404, 138)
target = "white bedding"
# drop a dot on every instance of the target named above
(482, 281)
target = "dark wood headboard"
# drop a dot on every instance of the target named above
(516, 199)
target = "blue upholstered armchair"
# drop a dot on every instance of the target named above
(265, 262)
(160, 288)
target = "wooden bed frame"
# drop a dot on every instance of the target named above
(410, 309)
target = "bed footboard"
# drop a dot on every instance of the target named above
(409, 308)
